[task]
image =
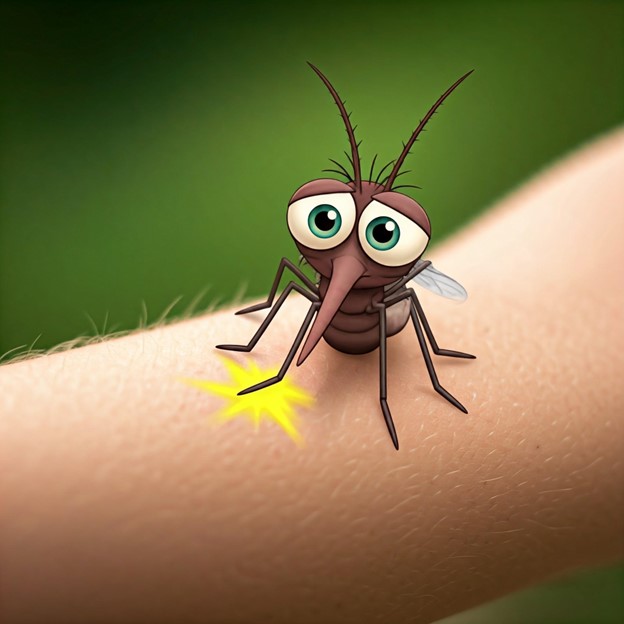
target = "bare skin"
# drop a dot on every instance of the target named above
(119, 503)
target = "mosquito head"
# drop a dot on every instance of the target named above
(386, 232)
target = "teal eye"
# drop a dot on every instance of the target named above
(324, 221)
(382, 233)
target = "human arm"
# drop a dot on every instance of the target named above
(120, 504)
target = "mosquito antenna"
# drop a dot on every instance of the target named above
(355, 157)
(421, 125)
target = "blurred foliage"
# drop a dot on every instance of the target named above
(148, 150)
(594, 597)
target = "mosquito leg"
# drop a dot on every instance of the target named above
(284, 263)
(414, 307)
(432, 341)
(383, 375)
(432, 374)
(291, 354)
(270, 316)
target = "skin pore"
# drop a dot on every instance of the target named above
(120, 504)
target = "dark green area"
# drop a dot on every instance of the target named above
(148, 150)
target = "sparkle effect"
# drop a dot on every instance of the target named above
(274, 403)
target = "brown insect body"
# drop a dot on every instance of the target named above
(354, 326)
(357, 332)
(365, 241)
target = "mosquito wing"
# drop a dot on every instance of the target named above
(440, 284)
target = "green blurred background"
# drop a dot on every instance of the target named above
(148, 149)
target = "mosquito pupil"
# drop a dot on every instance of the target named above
(324, 221)
(383, 233)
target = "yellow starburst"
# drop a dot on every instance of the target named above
(274, 403)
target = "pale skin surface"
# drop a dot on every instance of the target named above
(120, 504)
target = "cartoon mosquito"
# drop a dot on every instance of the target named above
(365, 240)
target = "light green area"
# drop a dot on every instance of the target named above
(595, 597)
(148, 150)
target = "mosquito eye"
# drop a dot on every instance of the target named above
(383, 233)
(322, 221)
(389, 237)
